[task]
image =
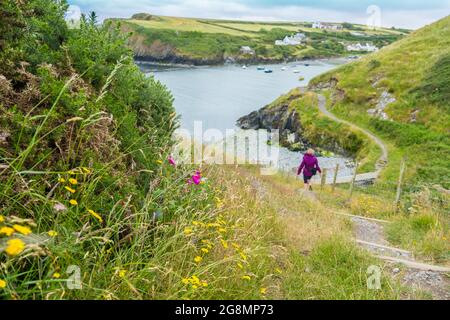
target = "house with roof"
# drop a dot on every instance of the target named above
(247, 50)
(294, 40)
(327, 26)
(360, 47)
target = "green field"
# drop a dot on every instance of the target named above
(206, 41)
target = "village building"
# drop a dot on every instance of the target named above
(247, 50)
(327, 26)
(359, 47)
(294, 40)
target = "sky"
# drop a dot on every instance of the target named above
(411, 14)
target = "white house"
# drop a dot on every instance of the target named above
(359, 47)
(328, 26)
(247, 50)
(294, 40)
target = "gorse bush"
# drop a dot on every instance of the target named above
(91, 203)
(83, 132)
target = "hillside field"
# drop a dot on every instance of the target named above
(205, 41)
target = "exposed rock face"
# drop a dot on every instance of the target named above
(379, 111)
(331, 84)
(414, 115)
(279, 118)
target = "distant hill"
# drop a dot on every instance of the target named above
(206, 41)
(407, 84)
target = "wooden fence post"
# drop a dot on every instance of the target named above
(323, 178)
(335, 177)
(399, 185)
(353, 182)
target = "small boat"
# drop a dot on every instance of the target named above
(244, 67)
(296, 71)
(261, 68)
(306, 64)
(268, 71)
(283, 69)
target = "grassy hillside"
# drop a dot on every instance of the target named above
(415, 72)
(205, 41)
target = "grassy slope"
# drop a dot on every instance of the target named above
(406, 69)
(423, 223)
(210, 39)
(326, 134)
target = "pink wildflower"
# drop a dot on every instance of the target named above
(171, 161)
(196, 178)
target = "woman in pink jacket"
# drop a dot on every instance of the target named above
(309, 166)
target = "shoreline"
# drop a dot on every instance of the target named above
(338, 60)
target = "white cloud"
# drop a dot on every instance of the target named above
(222, 9)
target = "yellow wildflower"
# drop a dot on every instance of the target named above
(246, 278)
(2, 284)
(198, 259)
(236, 246)
(73, 181)
(222, 230)
(204, 283)
(224, 243)
(96, 215)
(195, 280)
(219, 203)
(122, 273)
(185, 281)
(188, 231)
(21, 229)
(70, 189)
(194, 287)
(240, 266)
(61, 180)
(2, 219)
(243, 256)
(278, 270)
(15, 247)
(52, 233)
(73, 202)
(86, 170)
(56, 275)
(195, 223)
(210, 225)
(159, 161)
(7, 231)
(204, 250)
(263, 291)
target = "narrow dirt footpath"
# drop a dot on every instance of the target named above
(382, 161)
(401, 263)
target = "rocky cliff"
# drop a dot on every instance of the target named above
(278, 117)
(297, 133)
